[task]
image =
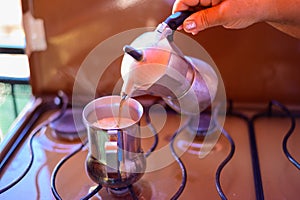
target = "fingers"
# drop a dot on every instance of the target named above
(205, 2)
(215, 2)
(227, 13)
(180, 5)
(203, 19)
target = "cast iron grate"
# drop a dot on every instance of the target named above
(270, 112)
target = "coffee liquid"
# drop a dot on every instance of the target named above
(123, 99)
(114, 122)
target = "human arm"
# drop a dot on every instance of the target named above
(235, 14)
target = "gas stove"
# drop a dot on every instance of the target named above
(255, 157)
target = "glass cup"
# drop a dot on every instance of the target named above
(116, 159)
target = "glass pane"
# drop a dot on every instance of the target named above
(11, 29)
(13, 67)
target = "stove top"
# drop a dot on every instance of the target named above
(256, 157)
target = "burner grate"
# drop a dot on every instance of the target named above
(64, 102)
(284, 112)
(274, 110)
(270, 112)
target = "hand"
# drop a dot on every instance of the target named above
(236, 14)
(232, 14)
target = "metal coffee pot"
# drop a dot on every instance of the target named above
(154, 65)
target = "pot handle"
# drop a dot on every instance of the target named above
(176, 19)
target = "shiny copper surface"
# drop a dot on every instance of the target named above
(280, 178)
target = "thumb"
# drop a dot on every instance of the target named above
(203, 19)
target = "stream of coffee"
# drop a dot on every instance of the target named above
(123, 99)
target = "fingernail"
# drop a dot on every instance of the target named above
(179, 28)
(190, 25)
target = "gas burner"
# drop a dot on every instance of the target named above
(203, 125)
(65, 127)
(140, 190)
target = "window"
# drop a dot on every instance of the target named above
(14, 68)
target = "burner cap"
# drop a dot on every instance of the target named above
(65, 127)
(203, 125)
